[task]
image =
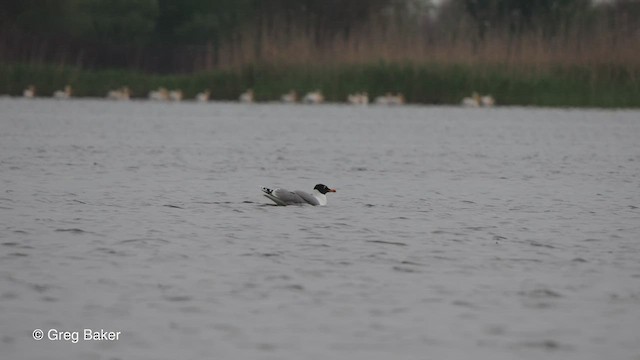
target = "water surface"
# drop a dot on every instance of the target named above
(506, 233)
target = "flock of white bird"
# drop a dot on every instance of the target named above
(313, 97)
(316, 97)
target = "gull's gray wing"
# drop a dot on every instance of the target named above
(307, 197)
(288, 197)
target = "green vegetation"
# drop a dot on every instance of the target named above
(546, 52)
(423, 83)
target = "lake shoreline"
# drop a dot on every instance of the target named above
(605, 86)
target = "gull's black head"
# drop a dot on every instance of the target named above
(323, 189)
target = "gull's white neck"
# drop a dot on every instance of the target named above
(322, 198)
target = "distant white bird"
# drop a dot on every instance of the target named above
(161, 94)
(63, 94)
(487, 101)
(175, 95)
(290, 97)
(313, 97)
(390, 99)
(473, 101)
(246, 97)
(358, 99)
(203, 96)
(121, 94)
(285, 197)
(29, 92)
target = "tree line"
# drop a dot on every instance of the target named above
(166, 36)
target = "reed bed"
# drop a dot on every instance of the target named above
(588, 62)
(533, 50)
(596, 67)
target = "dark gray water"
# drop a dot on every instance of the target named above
(507, 233)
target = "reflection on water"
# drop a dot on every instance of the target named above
(497, 233)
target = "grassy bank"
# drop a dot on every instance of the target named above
(430, 83)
